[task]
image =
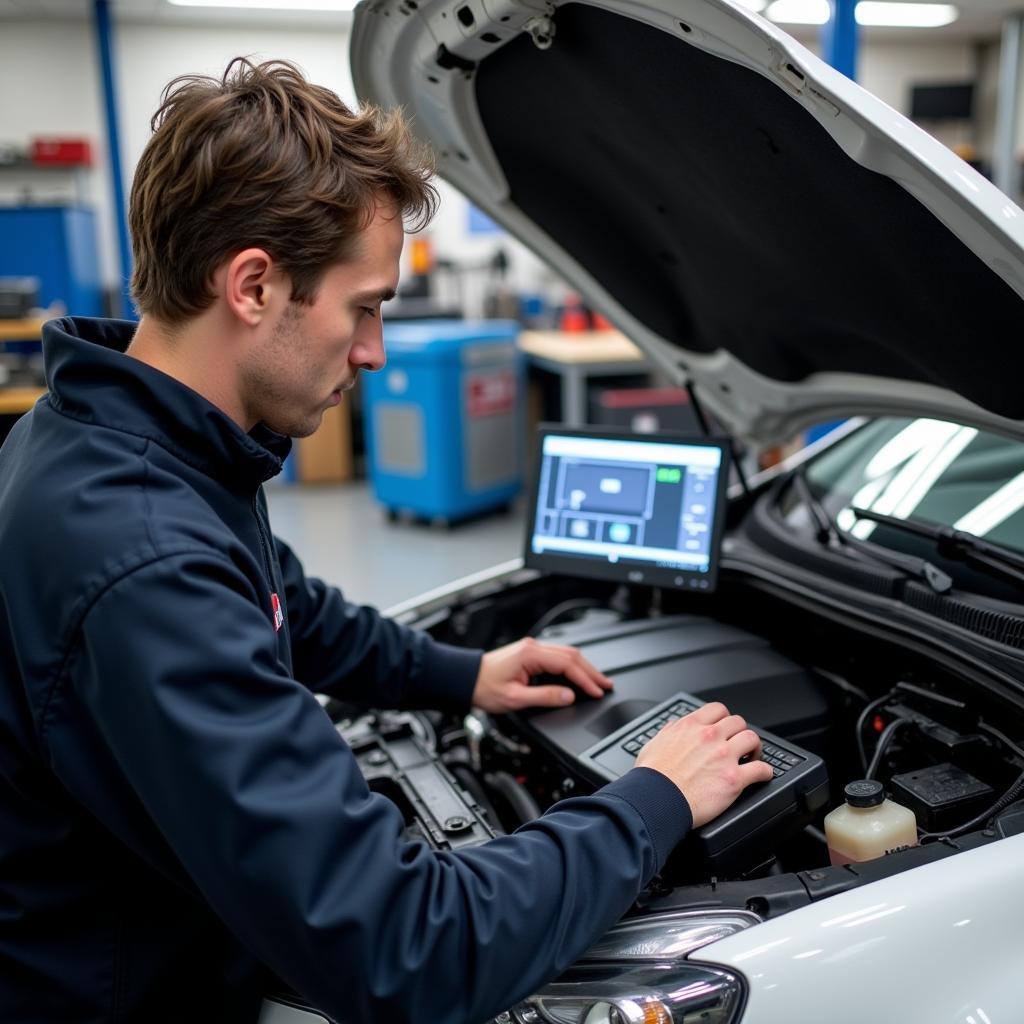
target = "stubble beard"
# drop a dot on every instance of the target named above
(263, 381)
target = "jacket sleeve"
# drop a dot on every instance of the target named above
(264, 806)
(353, 653)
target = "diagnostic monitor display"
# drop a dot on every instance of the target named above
(641, 508)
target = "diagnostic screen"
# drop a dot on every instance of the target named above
(641, 508)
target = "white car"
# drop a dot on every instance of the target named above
(795, 252)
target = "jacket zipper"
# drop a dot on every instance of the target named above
(264, 544)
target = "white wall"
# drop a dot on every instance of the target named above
(49, 78)
(889, 69)
(150, 56)
(50, 81)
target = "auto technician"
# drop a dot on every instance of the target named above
(179, 820)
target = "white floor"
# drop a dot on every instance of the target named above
(344, 537)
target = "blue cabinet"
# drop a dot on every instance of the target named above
(56, 244)
(444, 418)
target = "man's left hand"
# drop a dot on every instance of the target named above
(503, 683)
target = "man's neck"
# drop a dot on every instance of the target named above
(194, 355)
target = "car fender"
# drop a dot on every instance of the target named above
(939, 943)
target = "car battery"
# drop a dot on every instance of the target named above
(444, 418)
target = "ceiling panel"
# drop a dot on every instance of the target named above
(162, 12)
(979, 19)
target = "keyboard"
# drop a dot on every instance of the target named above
(762, 813)
(780, 758)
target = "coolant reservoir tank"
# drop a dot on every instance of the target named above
(868, 825)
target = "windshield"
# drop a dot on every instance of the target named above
(932, 470)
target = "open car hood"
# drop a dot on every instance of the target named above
(756, 222)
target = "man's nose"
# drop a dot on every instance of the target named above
(368, 349)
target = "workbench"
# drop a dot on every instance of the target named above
(576, 357)
(18, 399)
(30, 329)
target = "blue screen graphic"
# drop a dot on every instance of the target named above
(627, 502)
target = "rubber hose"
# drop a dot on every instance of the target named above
(517, 795)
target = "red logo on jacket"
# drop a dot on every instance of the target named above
(275, 604)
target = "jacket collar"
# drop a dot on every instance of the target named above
(91, 379)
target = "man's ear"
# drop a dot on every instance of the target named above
(253, 286)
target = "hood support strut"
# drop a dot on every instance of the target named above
(698, 411)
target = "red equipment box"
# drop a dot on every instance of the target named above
(65, 152)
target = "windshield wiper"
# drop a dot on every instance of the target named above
(956, 544)
(826, 532)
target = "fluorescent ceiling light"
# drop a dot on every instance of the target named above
(897, 15)
(868, 12)
(800, 12)
(272, 5)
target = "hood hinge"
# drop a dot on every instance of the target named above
(542, 31)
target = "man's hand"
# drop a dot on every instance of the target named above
(504, 680)
(700, 754)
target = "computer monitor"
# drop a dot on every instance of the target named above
(637, 508)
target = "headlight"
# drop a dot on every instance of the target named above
(637, 974)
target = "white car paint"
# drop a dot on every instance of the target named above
(940, 944)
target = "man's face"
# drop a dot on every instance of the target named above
(313, 353)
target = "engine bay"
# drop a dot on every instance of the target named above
(866, 706)
(626, 559)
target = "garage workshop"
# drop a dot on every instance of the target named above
(511, 511)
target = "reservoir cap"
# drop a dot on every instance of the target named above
(864, 793)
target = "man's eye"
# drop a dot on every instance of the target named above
(369, 310)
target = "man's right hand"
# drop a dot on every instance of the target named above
(700, 753)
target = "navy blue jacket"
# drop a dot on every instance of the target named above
(178, 817)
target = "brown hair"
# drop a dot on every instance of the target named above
(262, 158)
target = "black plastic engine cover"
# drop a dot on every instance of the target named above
(650, 660)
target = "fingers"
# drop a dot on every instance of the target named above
(585, 680)
(754, 771)
(745, 743)
(706, 755)
(567, 661)
(502, 682)
(717, 714)
(520, 697)
(732, 726)
(709, 714)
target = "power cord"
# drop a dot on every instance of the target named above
(552, 615)
(883, 742)
(900, 687)
(862, 719)
(1002, 738)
